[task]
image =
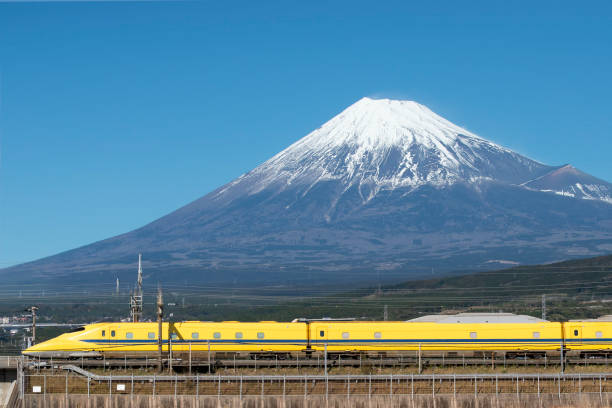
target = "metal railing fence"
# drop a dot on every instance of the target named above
(78, 381)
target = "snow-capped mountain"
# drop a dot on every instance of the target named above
(383, 144)
(385, 187)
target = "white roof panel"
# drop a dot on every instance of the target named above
(479, 318)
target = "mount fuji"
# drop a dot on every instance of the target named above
(386, 187)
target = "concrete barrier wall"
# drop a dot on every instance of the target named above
(399, 401)
(9, 397)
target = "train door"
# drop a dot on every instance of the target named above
(112, 335)
(575, 334)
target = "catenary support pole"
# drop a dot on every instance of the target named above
(170, 357)
(420, 364)
(160, 334)
(325, 362)
(33, 309)
(208, 345)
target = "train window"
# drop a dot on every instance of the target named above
(129, 335)
(473, 335)
(151, 335)
(78, 329)
(377, 335)
(536, 335)
(345, 335)
(103, 333)
(238, 335)
(598, 334)
(174, 336)
(195, 335)
(260, 335)
(575, 332)
(322, 333)
(112, 333)
(217, 335)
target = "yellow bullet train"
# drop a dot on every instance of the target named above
(453, 333)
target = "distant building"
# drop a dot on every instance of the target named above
(4, 320)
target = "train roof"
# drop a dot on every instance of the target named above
(604, 318)
(478, 318)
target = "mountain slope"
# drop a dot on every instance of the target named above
(385, 187)
(571, 182)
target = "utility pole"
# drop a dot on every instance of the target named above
(136, 299)
(160, 317)
(117, 287)
(544, 307)
(33, 310)
(386, 314)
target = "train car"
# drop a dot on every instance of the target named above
(514, 339)
(250, 337)
(588, 338)
(142, 339)
(466, 334)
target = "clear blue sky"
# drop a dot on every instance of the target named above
(113, 114)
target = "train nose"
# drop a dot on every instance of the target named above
(59, 349)
(37, 350)
(47, 349)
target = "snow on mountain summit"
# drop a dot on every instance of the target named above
(375, 123)
(383, 144)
